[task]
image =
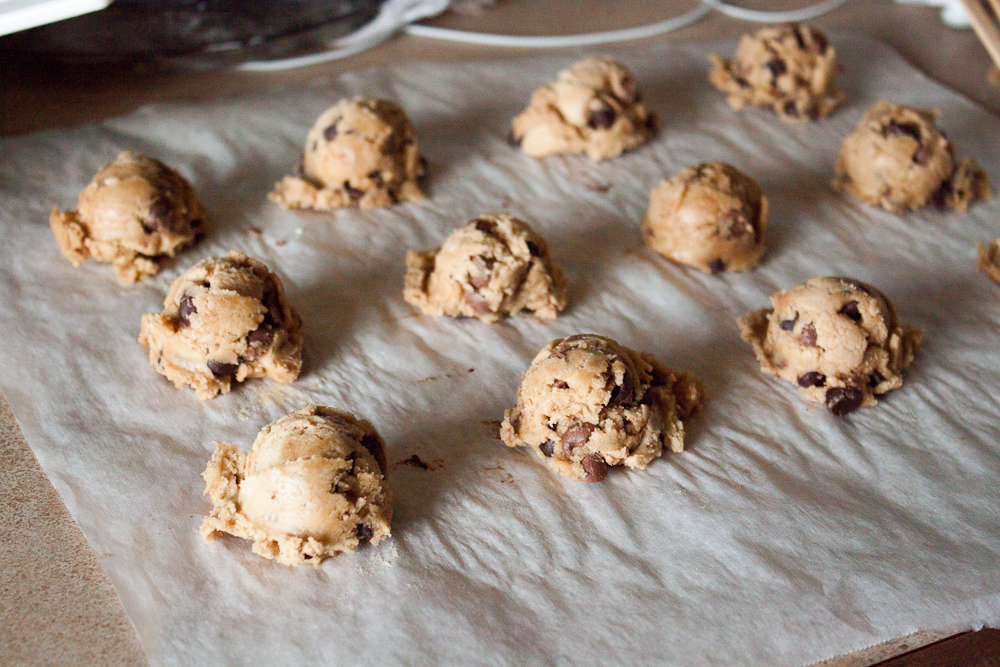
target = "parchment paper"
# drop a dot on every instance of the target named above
(781, 536)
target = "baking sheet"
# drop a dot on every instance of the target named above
(781, 536)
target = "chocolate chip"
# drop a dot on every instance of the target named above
(353, 193)
(185, 309)
(261, 336)
(808, 335)
(623, 394)
(364, 533)
(734, 224)
(161, 215)
(911, 130)
(841, 400)
(534, 249)
(595, 467)
(741, 82)
(788, 325)
(875, 379)
(486, 226)
(939, 198)
(275, 313)
(221, 369)
(576, 435)
(373, 444)
(820, 40)
(330, 133)
(483, 266)
(923, 155)
(560, 384)
(850, 310)
(567, 344)
(812, 379)
(797, 31)
(478, 303)
(602, 118)
(791, 109)
(548, 448)
(777, 66)
(717, 266)
(652, 120)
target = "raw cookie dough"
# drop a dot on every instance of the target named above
(898, 159)
(710, 216)
(361, 152)
(593, 107)
(838, 339)
(134, 213)
(493, 267)
(789, 68)
(989, 259)
(587, 403)
(312, 486)
(225, 319)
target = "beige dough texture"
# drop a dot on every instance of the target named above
(135, 213)
(224, 320)
(710, 216)
(362, 152)
(898, 159)
(312, 486)
(593, 107)
(989, 259)
(587, 403)
(837, 339)
(492, 267)
(789, 68)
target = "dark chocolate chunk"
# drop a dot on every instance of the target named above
(221, 369)
(262, 336)
(734, 224)
(534, 249)
(364, 533)
(897, 129)
(602, 118)
(623, 394)
(185, 309)
(842, 400)
(788, 325)
(576, 435)
(560, 384)
(486, 226)
(812, 379)
(808, 335)
(478, 303)
(875, 379)
(791, 109)
(820, 40)
(330, 133)
(373, 444)
(548, 448)
(850, 310)
(275, 313)
(595, 467)
(777, 66)
(717, 266)
(353, 193)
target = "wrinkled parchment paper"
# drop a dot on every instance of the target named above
(781, 536)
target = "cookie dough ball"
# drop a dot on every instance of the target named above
(989, 259)
(493, 267)
(224, 320)
(838, 339)
(711, 216)
(587, 403)
(789, 68)
(593, 107)
(312, 486)
(135, 213)
(361, 152)
(898, 159)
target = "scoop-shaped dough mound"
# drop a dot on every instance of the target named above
(989, 259)
(710, 216)
(134, 213)
(837, 339)
(312, 486)
(224, 320)
(492, 267)
(361, 152)
(593, 107)
(898, 159)
(587, 403)
(789, 68)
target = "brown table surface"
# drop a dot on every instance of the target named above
(58, 604)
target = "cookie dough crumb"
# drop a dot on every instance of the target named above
(224, 320)
(135, 213)
(593, 107)
(362, 152)
(837, 339)
(989, 259)
(492, 267)
(587, 403)
(789, 68)
(710, 216)
(898, 159)
(312, 486)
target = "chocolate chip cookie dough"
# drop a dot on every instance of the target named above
(587, 403)
(898, 159)
(838, 339)
(492, 267)
(789, 68)
(361, 152)
(135, 213)
(312, 486)
(710, 216)
(224, 320)
(593, 107)
(989, 259)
